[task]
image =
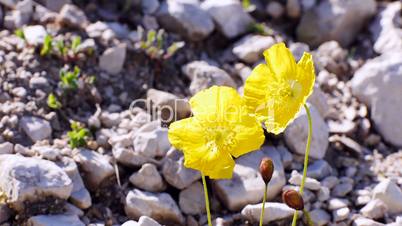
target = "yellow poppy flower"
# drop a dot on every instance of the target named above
(219, 130)
(276, 91)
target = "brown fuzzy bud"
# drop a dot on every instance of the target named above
(266, 169)
(293, 199)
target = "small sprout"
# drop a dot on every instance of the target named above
(61, 48)
(69, 79)
(159, 38)
(246, 4)
(293, 199)
(172, 49)
(260, 28)
(266, 169)
(47, 46)
(91, 79)
(52, 102)
(151, 36)
(78, 135)
(75, 43)
(19, 33)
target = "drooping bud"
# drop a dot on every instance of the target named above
(293, 199)
(266, 169)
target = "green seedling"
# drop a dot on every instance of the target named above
(52, 102)
(75, 43)
(78, 135)
(19, 33)
(154, 45)
(47, 46)
(69, 79)
(61, 47)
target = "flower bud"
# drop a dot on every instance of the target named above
(293, 199)
(266, 169)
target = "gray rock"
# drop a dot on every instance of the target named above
(9, 3)
(187, 19)
(386, 33)
(375, 209)
(377, 84)
(46, 152)
(342, 189)
(298, 49)
(247, 186)
(362, 221)
(250, 48)
(146, 144)
(159, 206)
(275, 211)
(5, 213)
(275, 9)
(338, 20)
(229, 16)
(73, 16)
(148, 178)
(320, 217)
(388, 192)
(293, 8)
(337, 203)
(112, 59)
(147, 221)
(310, 183)
(323, 194)
(319, 169)
(23, 179)
(34, 34)
(95, 166)
(38, 82)
(129, 223)
(340, 214)
(55, 5)
(6, 148)
(297, 131)
(129, 157)
(110, 119)
(191, 201)
(332, 57)
(330, 182)
(175, 173)
(36, 128)
(149, 6)
(203, 75)
(169, 106)
(320, 101)
(79, 195)
(52, 220)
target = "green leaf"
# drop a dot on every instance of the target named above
(61, 47)
(19, 33)
(78, 135)
(47, 45)
(151, 36)
(75, 43)
(69, 79)
(172, 49)
(159, 38)
(246, 4)
(52, 102)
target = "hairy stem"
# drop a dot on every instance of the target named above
(307, 152)
(263, 204)
(206, 199)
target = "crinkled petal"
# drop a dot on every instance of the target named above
(255, 89)
(249, 136)
(281, 61)
(215, 164)
(216, 103)
(186, 134)
(306, 74)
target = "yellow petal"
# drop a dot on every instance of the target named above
(215, 103)
(249, 136)
(256, 87)
(281, 61)
(215, 164)
(186, 134)
(306, 74)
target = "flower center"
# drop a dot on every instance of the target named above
(291, 89)
(220, 138)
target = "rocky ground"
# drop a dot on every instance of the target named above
(83, 63)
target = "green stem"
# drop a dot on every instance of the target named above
(308, 218)
(307, 152)
(206, 199)
(263, 204)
